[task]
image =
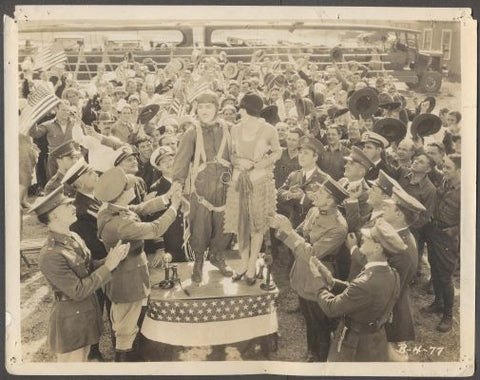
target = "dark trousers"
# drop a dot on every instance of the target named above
(419, 234)
(318, 328)
(41, 167)
(275, 244)
(343, 261)
(52, 167)
(443, 257)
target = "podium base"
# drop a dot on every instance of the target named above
(267, 287)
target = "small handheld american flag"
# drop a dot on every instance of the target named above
(48, 57)
(40, 101)
(165, 101)
(177, 108)
(198, 89)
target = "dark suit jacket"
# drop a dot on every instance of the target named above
(372, 174)
(148, 173)
(86, 224)
(173, 237)
(297, 209)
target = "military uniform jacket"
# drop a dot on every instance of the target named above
(298, 208)
(86, 224)
(130, 281)
(402, 327)
(76, 318)
(405, 263)
(365, 303)
(326, 234)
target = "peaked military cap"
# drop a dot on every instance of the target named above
(375, 138)
(403, 199)
(122, 153)
(76, 171)
(335, 189)
(110, 185)
(50, 202)
(384, 234)
(385, 182)
(160, 153)
(357, 155)
(68, 148)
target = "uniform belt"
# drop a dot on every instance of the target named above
(361, 328)
(59, 296)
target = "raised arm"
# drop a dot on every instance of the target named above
(150, 207)
(353, 298)
(184, 156)
(128, 230)
(38, 130)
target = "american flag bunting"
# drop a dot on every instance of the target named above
(210, 321)
(211, 310)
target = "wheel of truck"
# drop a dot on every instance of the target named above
(431, 81)
(411, 85)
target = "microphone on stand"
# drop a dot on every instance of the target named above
(167, 283)
(167, 259)
(268, 285)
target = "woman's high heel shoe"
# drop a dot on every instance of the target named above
(250, 280)
(238, 276)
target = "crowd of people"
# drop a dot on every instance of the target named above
(328, 162)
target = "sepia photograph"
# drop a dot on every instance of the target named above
(240, 190)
